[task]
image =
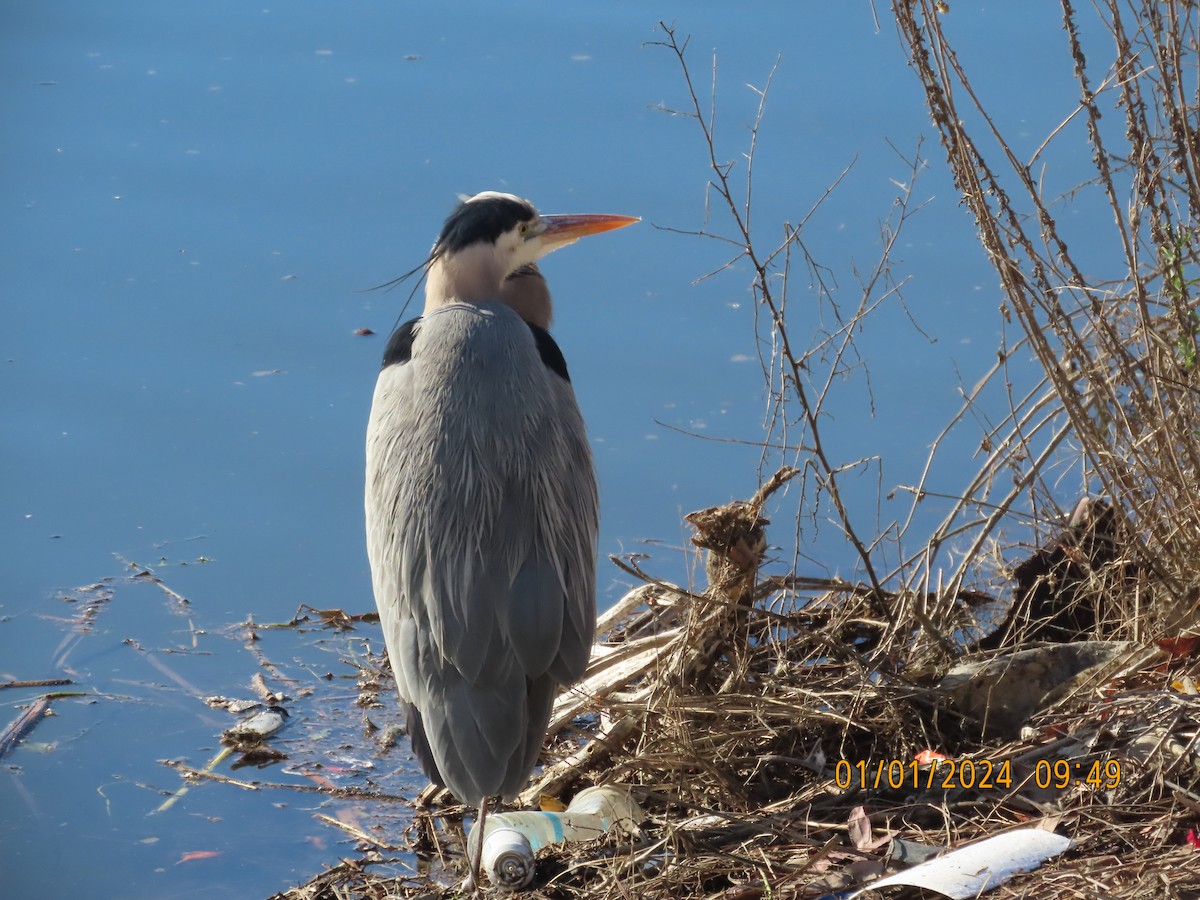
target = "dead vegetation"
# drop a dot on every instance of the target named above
(792, 737)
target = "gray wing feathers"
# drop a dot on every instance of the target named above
(481, 528)
(532, 617)
(485, 748)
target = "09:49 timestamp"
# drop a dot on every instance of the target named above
(1101, 774)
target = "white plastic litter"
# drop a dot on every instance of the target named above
(980, 867)
(511, 839)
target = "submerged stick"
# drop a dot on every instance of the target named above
(356, 833)
(223, 755)
(23, 724)
(41, 682)
(353, 793)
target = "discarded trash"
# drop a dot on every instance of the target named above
(910, 853)
(511, 839)
(976, 868)
(255, 729)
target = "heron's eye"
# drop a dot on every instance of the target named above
(523, 229)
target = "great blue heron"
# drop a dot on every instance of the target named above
(481, 502)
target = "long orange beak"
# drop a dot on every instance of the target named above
(562, 230)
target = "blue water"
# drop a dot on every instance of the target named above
(194, 200)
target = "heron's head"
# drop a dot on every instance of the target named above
(490, 236)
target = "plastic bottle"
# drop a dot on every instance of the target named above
(511, 839)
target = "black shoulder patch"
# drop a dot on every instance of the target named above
(399, 345)
(482, 221)
(549, 352)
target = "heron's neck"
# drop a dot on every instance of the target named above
(474, 275)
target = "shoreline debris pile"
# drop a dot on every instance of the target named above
(785, 740)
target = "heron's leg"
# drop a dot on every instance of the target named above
(477, 850)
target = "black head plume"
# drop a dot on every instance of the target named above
(482, 219)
